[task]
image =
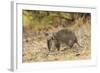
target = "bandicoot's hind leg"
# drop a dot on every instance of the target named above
(71, 43)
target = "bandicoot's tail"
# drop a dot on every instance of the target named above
(78, 44)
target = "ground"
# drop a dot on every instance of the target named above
(35, 45)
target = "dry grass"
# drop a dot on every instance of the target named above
(35, 47)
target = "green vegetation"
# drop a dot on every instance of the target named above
(34, 19)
